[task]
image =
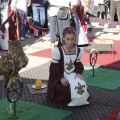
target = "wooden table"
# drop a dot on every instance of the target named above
(106, 42)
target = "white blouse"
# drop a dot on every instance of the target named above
(56, 54)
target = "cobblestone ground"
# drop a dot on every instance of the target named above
(32, 44)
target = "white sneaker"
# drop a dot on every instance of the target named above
(27, 36)
(22, 38)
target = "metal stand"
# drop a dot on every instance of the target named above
(13, 95)
(93, 58)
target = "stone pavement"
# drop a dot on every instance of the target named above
(102, 105)
(40, 44)
(44, 43)
(32, 44)
(105, 32)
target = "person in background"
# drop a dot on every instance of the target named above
(4, 37)
(115, 6)
(91, 6)
(101, 9)
(81, 38)
(30, 15)
(46, 5)
(29, 7)
(107, 8)
(85, 3)
(2, 8)
(80, 13)
(21, 7)
(46, 25)
(57, 25)
(38, 14)
(66, 84)
(88, 6)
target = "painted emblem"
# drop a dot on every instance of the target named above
(69, 65)
(80, 88)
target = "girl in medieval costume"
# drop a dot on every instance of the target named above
(66, 84)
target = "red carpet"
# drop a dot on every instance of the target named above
(104, 59)
(43, 53)
(113, 115)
